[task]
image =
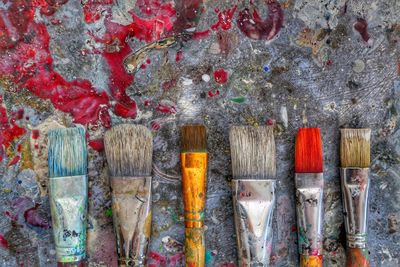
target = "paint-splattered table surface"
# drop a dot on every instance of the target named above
(165, 63)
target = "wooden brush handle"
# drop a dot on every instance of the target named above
(310, 261)
(357, 257)
(195, 248)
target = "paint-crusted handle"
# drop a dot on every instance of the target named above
(311, 261)
(195, 248)
(357, 257)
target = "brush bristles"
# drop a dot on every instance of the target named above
(253, 152)
(193, 138)
(355, 148)
(67, 152)
(308, 151)
(129, 150)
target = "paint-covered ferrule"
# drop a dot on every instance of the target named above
(68, 206)
(194, 175)
(311, 261)
(131, 207)
(309, 208)
(195, 247)
(253, 206)
(355, 188)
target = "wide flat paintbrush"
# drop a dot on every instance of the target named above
(309, 195)
(68, 191)
(129, 150)
(253, 189)
(194, 159)
(354, 172)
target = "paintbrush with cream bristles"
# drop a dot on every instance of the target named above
(129, 151)
(68, 193)
(194, 161)
(309, 184)
(253, 189)
(354, 174)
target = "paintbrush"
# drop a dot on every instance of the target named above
(309, 195)
(129, 151)
(194, 159)
(68, 193)
(355, 161)
(253, 189)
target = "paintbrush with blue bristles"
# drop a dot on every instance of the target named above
(68, 189)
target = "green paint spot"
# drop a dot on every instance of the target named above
(238, 99)
(208, 256)
(174, 217)
(108, 213)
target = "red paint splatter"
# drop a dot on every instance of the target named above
(17, 115)
(14, 160)
(329, 62)
(178, 56)
(224, 19)
(362, 27)
(212, 94)
(35, 218)
(270, 122)
(148, 61)
(146, 103)
(143, 66)
(221, 76)
(169, 84)
(294, 228)
(3, 242)
(200, 35)
(155, 125)
(93, 9)
(157, 257)
(97, 144)
(166, 108)
(35, 134)
(251, 24)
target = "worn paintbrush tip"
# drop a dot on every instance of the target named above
(67, 152)
(193, 138)
(253, 152)
(129, 150)
(308, 151)
(355, 148)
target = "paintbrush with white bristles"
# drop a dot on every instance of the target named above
(253, 188)
(68, 192)
(354, 174)
(129, 150)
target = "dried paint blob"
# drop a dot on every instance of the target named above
(251, 24)
(224, 19)
(358, 66)
(221, 76)
(206, 78)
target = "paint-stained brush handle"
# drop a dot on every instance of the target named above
(357, 257)
(194, 172)
(311, 261)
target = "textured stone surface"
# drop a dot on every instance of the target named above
(332, 64)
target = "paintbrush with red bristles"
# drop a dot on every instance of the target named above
(309, 194)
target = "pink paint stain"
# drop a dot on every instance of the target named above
(221, 76)
(155, 125)
(178, 56)
(251, 24)
(3, 242)
(158, 260)
(97, 144)
(34, 218)
(362, 27)
(224, 19)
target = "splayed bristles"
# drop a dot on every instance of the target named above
(253, 152)
(308, 151)
(129, 150)
(193, 138)
(67, 152)
(355, 148)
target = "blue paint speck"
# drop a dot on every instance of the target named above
(208, 256)
(266, 68)
(19, 182)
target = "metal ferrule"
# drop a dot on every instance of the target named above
(253, 206)
(309, 207)
(68, 206)
(131, 206)
(355, 187)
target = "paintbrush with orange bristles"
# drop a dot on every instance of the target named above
(354, 171)
(309, 195)
(194, 158)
